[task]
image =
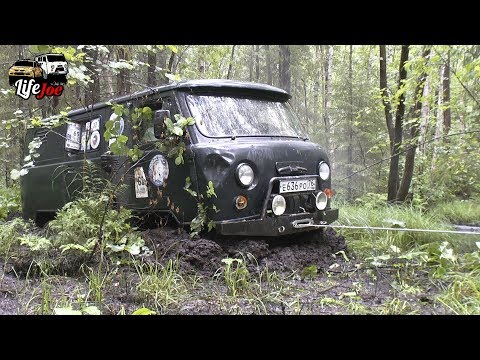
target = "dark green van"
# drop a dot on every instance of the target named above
(269, 179)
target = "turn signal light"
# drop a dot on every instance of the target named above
(241, 202)
(328, 192)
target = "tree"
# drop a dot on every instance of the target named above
(327, 101)
(152, 63)
(415, 119)
(284, 74)
(395, 128)
(350, 126)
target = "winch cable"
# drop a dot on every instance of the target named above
(390, 229)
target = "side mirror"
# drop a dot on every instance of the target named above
(158, 122)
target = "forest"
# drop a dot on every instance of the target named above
(400, 124)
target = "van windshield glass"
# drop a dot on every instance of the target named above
(56, 57)
(223, 116)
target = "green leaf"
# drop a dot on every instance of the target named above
(210, 190)
(66, 311)
(168, 122)
(115, 248)
(144, 311)
(172, 48)
(179, 160)
(122, 139)
(309, 272)
(91, 310)
(133, 249)
(177, 131)
(211, 225)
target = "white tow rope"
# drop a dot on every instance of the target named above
(392, 229)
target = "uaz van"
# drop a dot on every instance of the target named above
(269, 179)
(54, 67)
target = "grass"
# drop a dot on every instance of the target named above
(160, 286)
(235, 275)
(462, 296)
(367, 243)
(460, 211)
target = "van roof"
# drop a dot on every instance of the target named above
(49, 54)
(193, 86)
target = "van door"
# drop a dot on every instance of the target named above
(157, 182)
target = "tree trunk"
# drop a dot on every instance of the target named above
(122, 74)
(162, 63)
(250, 63)
(316, 84)
(447, 121)
(414, 132)
(350, 126)
(395, 129)
(269, 65)
(171, 61)
(425, 116)
(257, 63)
(285, 77)
(92, 95)
(152, 63)
(307, 121)
(439, 122)
(230, 64)
(327, 102)
(385, 97)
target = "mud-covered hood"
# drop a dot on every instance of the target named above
(218, 161)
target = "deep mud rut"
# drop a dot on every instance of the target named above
(303, 275)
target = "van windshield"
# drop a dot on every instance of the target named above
(223, 116)
(59, 57)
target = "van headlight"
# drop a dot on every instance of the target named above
(245, 174)
(279, 205)
(321, 200)
(323, 170)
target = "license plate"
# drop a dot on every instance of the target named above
(297, 185)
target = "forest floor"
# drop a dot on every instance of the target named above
(180, 275)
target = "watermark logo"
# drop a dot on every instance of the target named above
(44, 75)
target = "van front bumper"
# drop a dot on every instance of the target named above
(277, 225)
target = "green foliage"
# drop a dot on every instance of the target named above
(372, 200)
(35, 243)
(9, 201)
(235, 275)
(144, 311)
(202, 218)
(460, 211)
(188, 184)
(379, 242)
(78, 224)
(96, 283)
(88, 310)
(309, 272)
(161, 286)
(172, 142)
(210, 190)
(9, 232)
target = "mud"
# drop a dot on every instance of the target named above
(204, 255)
(339, 284)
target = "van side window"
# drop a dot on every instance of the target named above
(144, 133)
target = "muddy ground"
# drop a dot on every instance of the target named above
(303, 275)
